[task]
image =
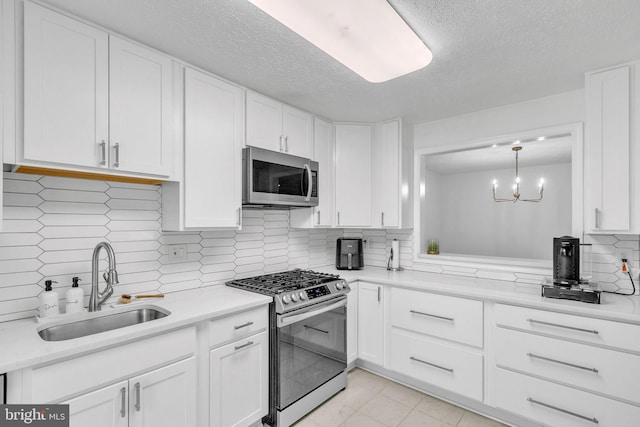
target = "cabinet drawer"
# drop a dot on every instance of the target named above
(606, 371)
(64, 379)
(587, 329)
(527, 397)
(238, 326)
(451, 318)
(445, 366)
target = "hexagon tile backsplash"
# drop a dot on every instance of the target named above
(51, 226)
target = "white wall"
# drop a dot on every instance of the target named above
(538, 113)
(472, 223)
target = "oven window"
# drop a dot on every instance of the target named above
(273, 178)
(312, 351)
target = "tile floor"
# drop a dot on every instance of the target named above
(372, 401)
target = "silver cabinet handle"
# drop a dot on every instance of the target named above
(103, 153)
(540, 322)
(450, 319)
(597, 225)
(382, 218)
(137, 387)
(123, 402)
(281, 147)
(548, 359)
(286, 144)
(244, 325)
(431, 364)
(564, 411)
(338, 222)
(239, 217)
(116, 151)
(240, 347)
(379, 292)
(316, 329)
(318, 217)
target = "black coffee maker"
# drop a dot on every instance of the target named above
(566, 274)
(566, 261)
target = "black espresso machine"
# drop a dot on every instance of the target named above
(567, 283)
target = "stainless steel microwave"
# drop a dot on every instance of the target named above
(278, 180)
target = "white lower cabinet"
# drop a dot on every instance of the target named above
(163, 397)
(106, 407)
(239, 377)
(352, 323)
(371, 324)
(556, 405)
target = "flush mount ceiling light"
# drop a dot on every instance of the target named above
(516, 185)
(367, 36)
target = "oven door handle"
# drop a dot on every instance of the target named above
(288, 319)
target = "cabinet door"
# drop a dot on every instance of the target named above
(106, 407)
(164, 397)
(264, 122)
(353, 175)
(608, 151)
(386, 175)
(323, 153)
(371, 323)
(65, 89)
(297, 130)
(239, 382)
(140, 83)
(212, 151)
(352, 323)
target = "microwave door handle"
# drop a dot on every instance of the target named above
(309, 182)
(293, 318)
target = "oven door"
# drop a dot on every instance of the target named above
(312, 345)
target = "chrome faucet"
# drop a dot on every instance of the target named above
(110, 276)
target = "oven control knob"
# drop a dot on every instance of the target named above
(339, 285)
(294, 297)
(286, 299)
(303, 296)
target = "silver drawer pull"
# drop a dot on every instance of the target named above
(591, 331)
(450, 319)
(564, 411)
(240, 347)
(535, 356)
(316, 329)
(137, 405)
(244, 325)
(431, 364)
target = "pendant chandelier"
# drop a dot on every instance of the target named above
(516, 185)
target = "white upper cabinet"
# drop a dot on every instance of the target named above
(386, 175)
(323, 152)
(610, 151)
(278, 127)
(353, 175)
(140, 108)
(66, 90)
(92, 100)
(211, 193)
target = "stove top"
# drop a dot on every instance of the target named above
(295, 288)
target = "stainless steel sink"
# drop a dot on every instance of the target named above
(94, 323)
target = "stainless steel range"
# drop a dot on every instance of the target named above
(308, 340)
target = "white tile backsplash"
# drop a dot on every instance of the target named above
(52, 224)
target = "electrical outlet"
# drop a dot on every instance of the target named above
(626, 254)
(177, 253)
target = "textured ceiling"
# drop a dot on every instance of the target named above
(487, 53)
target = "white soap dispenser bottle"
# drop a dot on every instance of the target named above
(75, 297)
(48, 301)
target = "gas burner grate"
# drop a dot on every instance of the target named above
(277, 283)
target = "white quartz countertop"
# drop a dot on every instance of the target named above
(612, 307)
(21, 346)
